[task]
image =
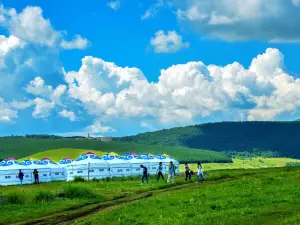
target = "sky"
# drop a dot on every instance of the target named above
(122, 67)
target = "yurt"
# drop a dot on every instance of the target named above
(41, 166)
(64, 162)
(153, 163)
(118, 166)
(165, 162)
(9, 173)
(88, 166)
(135, 163)
(57, 171)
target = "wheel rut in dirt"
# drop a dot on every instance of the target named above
(69, 215)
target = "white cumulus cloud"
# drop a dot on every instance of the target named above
(30, 26)
(154, 9)
(187, 93)
(67, 114)
(43, 108)
(37, 87)
(98, 127)
(168, 42)
(77, 43)
(240, 20)
(7, 114)
(115, 5)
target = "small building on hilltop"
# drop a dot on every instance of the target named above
(106, 139)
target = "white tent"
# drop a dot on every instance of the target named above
(64, 162)
(41, 166)
(88, 166)
(9, 173)
(165, 161)
(154, 164)
(118, 166)
(136, 162)
(57, 171)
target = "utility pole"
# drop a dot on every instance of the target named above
(88, 171)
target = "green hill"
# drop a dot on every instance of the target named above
(258, 138)
(58, 154)
(20, 147)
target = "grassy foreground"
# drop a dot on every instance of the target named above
(269, 197)
(229, 197)
(17, 147)
(251, 163)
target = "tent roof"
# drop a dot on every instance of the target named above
(11, 165)
(50, 164)
(114, 159)
(65, 161)
(88, 158)
(134, 159)
(35, 164)
(11, 158)
(89, 153)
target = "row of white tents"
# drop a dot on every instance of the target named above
(88, 166)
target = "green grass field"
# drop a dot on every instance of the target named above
(252, 163)
(27, 147)
(261, 196)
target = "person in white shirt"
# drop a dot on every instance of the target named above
(200, 173)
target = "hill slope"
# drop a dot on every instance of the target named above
(58, 154)
(22, 147)
(281, 137)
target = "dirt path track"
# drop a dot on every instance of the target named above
(69, 215)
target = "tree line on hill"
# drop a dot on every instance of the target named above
(44, 136)
(257, 138)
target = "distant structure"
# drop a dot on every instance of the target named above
(88, 135)
(106, 139)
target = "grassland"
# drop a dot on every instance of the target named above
(25, 147)
(271, 197)
(251, 163)
(262, 196)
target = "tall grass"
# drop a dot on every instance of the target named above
(45, 196)
(16, 197)
(77, 191)
(79, 179)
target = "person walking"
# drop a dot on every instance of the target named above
(159, 172)
(145, 173)
(200, 173)
(21, 176)
(36, 176)
(172, 169)
(188, 174)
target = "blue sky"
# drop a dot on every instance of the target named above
(124, 67)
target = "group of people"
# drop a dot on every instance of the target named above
(35, 174)
(189, 172)
(171, 172)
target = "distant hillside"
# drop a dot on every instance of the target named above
(280, 137)
(20, 147)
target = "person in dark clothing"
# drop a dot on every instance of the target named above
(159, 172)
(21, 176)
(145, 174)
(188, 174)
(36, 176)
